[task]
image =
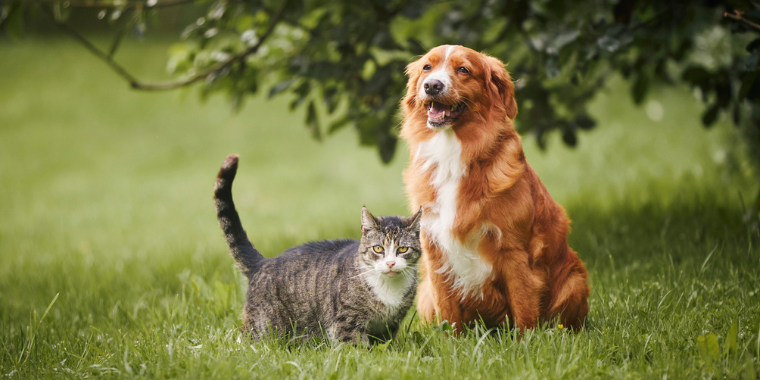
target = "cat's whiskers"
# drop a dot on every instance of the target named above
(371, 269)
(410, 275)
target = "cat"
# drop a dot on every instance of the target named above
(351, 291)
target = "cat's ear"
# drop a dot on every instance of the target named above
(413, 223)
(368, 221)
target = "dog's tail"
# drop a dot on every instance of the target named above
(245, 254)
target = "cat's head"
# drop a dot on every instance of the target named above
(390, 245)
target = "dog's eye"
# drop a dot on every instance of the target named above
(463, 70)
(378, 249)
(427, 67)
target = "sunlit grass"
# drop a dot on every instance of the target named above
(105, 203)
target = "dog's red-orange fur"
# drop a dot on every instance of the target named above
(536, 277)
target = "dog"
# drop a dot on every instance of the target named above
(494, 241)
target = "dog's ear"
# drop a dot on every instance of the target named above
(500, 86)
(413, 72)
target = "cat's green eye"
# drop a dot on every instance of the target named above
(378, 249)
(403, 249)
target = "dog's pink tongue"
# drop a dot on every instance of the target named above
(437, 110)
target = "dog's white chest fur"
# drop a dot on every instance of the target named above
(466, 268)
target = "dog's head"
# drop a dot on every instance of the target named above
(451, 85)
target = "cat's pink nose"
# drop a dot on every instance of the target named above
(390, 263)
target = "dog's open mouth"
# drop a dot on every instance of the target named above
(441, 115)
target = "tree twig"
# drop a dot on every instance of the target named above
(126, 5)
(738, 16)
(138, 85)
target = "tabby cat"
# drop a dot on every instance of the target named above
(350, 291)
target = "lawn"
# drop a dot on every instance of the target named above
(112, 265)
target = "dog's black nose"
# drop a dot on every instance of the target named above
(433, 86)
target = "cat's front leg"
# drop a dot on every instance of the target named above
(349, 333)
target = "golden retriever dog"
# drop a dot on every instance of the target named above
(494, 241)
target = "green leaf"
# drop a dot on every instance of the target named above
(709, 117)
(569, 137)
(312, 123)
(695, 75)
(62, 11)
(369, 69)
(444, 326)
(338, 124)
(749, 369)
(730, 344)
(116, 14)
(747, 81)
(331, 98)
(752, 61)
(180, 58)
(708, 347)
(244, 23)
(236, 101)
(584, 121)
(564, 38)
(188, 31)
(386, 145)
(640, 88)
(302, 91)
(381, 347)
(14, 23)
(736, 113)
(217, 10)
(552, 66)
(608, 43)
(280, 87)
(755, 44)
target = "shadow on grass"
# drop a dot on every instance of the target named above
(704, 225)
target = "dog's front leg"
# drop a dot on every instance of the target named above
(436, 300)
(451, 310)
(523, 290)
(427, 291)
(435, 309)
(426, 301)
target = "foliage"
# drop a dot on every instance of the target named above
(345, 59)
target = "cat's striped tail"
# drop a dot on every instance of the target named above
(244, 253)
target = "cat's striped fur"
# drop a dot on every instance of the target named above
(342, 288)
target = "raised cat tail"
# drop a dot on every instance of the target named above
(245, 255)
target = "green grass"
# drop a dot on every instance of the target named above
(105, 203)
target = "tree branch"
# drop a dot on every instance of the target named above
(738, 17)
(126, 5)
(138, 85)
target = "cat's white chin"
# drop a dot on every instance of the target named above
(389, 288)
